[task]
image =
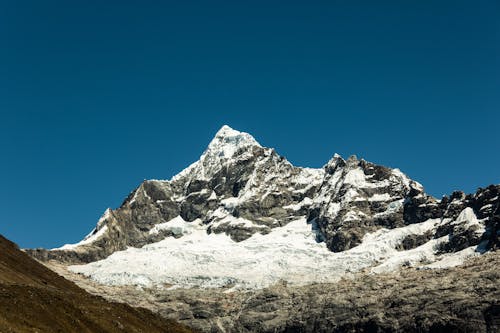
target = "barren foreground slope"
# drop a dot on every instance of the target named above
(35, 299)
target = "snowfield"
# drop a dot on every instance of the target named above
(290, 253)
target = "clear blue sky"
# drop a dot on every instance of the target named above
(96, 96)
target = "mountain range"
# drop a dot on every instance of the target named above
(244, 227)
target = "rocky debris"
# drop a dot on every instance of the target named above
(459, 299)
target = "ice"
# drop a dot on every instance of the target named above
(392, 207)
(214, 260)
(290, 253)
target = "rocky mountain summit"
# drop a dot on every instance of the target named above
(243, 241)
(240, 188)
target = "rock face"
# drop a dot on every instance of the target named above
(240, 188)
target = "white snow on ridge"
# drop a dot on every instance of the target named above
(92, 236)
(288, 253)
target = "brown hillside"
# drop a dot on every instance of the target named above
(35, 299)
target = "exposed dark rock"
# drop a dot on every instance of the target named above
(413, 241)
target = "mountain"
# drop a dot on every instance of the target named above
(35, 299)
(242, 218)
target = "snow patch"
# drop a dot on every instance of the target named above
(177, 226)
(306, 202)
(467, 218)
(454, 259)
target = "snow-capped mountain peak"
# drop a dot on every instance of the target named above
(227, 146)
(227, 142)
(241, 204)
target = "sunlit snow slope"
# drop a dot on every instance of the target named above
(289, 253)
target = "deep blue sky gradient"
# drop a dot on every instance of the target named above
(96, 96)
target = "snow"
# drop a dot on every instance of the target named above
(177, 226)
(310, 176)
(90, 238)
(466, 215)
(333, 209)
(185, 172)
(236, 221)
(485, 207)
(355, 177)
(213, 196)
(214, 260)
(94, 235)
(288, 253)
(306, 202)
(421, 254)
(376, 197)
(222, 149)
(454, 259)
(230, 204)
(380, 197)
(467, 218)
(227, 141)
(406, 181)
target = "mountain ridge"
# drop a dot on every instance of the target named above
(240, 189)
